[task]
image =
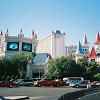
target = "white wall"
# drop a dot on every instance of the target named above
(97, 48)
(54, 44)
(45, 45)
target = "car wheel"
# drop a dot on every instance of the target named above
(32, 85)
(39, 85)
(77, 86)
(87, 86)
(10, 86)
(57, 84)
(17, 85)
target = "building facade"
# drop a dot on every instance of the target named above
(38, 66)
(10, 45)
(95, 51)
(83, 50)
(53, 44)
(70, 50)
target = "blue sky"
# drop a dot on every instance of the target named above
(74, 17)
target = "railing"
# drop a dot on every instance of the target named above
(78, 94)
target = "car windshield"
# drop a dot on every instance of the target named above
(75, 81)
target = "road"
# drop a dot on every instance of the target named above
(93, 96)
(37, 93)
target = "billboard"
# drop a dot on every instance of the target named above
(26, 47)
(12, 46)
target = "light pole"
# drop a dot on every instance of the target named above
(39, 71)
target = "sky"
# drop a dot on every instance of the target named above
(74, 17)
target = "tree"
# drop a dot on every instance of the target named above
(7, 78)
(64, 67)
(97, 76)
(20, 61)
(92, 68)
(15, 65)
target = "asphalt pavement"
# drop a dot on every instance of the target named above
(93, 96)
(37, 93)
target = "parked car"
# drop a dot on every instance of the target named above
(95, 84)
(48, 82)
(17, 81)
(67, 80)
(73, 82)
(25, 82)
(8, 84)
(84, 83)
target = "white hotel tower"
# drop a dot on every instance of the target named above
(53, 44)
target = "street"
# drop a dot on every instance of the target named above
(93, 96)
(37, 93)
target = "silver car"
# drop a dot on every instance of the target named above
(84, 83)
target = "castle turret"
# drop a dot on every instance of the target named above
(21, 34)
(79, 52)
(33, 34)
(85, 46)
(34, 41)
(97, 44)
(92, 55)
(21, 31)
(1, 33)
(1, 36)
(7, 32)
(97, 38)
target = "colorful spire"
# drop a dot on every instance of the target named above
(97, 38)
(79, 49)
(7, 30)
(1, 33)
(93, 53)
(33, 33)
(85, 40)
(21, 31)
(64, 33)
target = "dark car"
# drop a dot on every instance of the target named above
(25, 82)
(8, 84)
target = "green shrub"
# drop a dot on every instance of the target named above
(97, 76)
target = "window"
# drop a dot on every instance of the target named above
(27, 47)
(12, 46)
(93, 60)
